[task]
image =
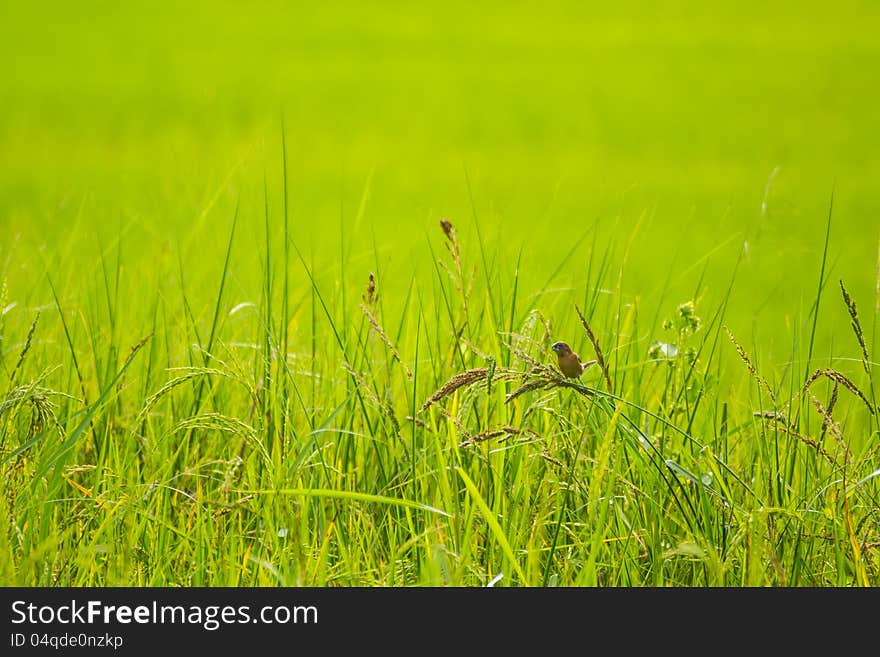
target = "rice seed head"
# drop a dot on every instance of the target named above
(482, 436)
(780, 420)
(370, 295)
(26, 348)
(463, 284)
(834, 375)
(377, 327)
(131, 354)
(361, 383)
(454, 250)
(528, 386)
(460, 380)
(385, 407)
(856, 326)
(39, 399)
(190, 374)
(451, 239)
(550, 459)
(579, 388)
(137, 346)
(388, 408)
(524, 357)
(536, 316)
(219, 422)
(829, 423)
(826, 413)
(417, 421)
(748, 361)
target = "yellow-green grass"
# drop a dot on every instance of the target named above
(196, 387)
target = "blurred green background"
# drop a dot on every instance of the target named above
(658, 128)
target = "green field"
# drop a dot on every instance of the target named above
(198, 388)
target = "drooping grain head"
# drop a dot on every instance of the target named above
(460, 380)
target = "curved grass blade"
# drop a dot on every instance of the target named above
(493, 524)
(348, 495)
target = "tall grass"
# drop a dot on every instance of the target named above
(429, 439)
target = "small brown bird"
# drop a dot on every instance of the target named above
(569, 362)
